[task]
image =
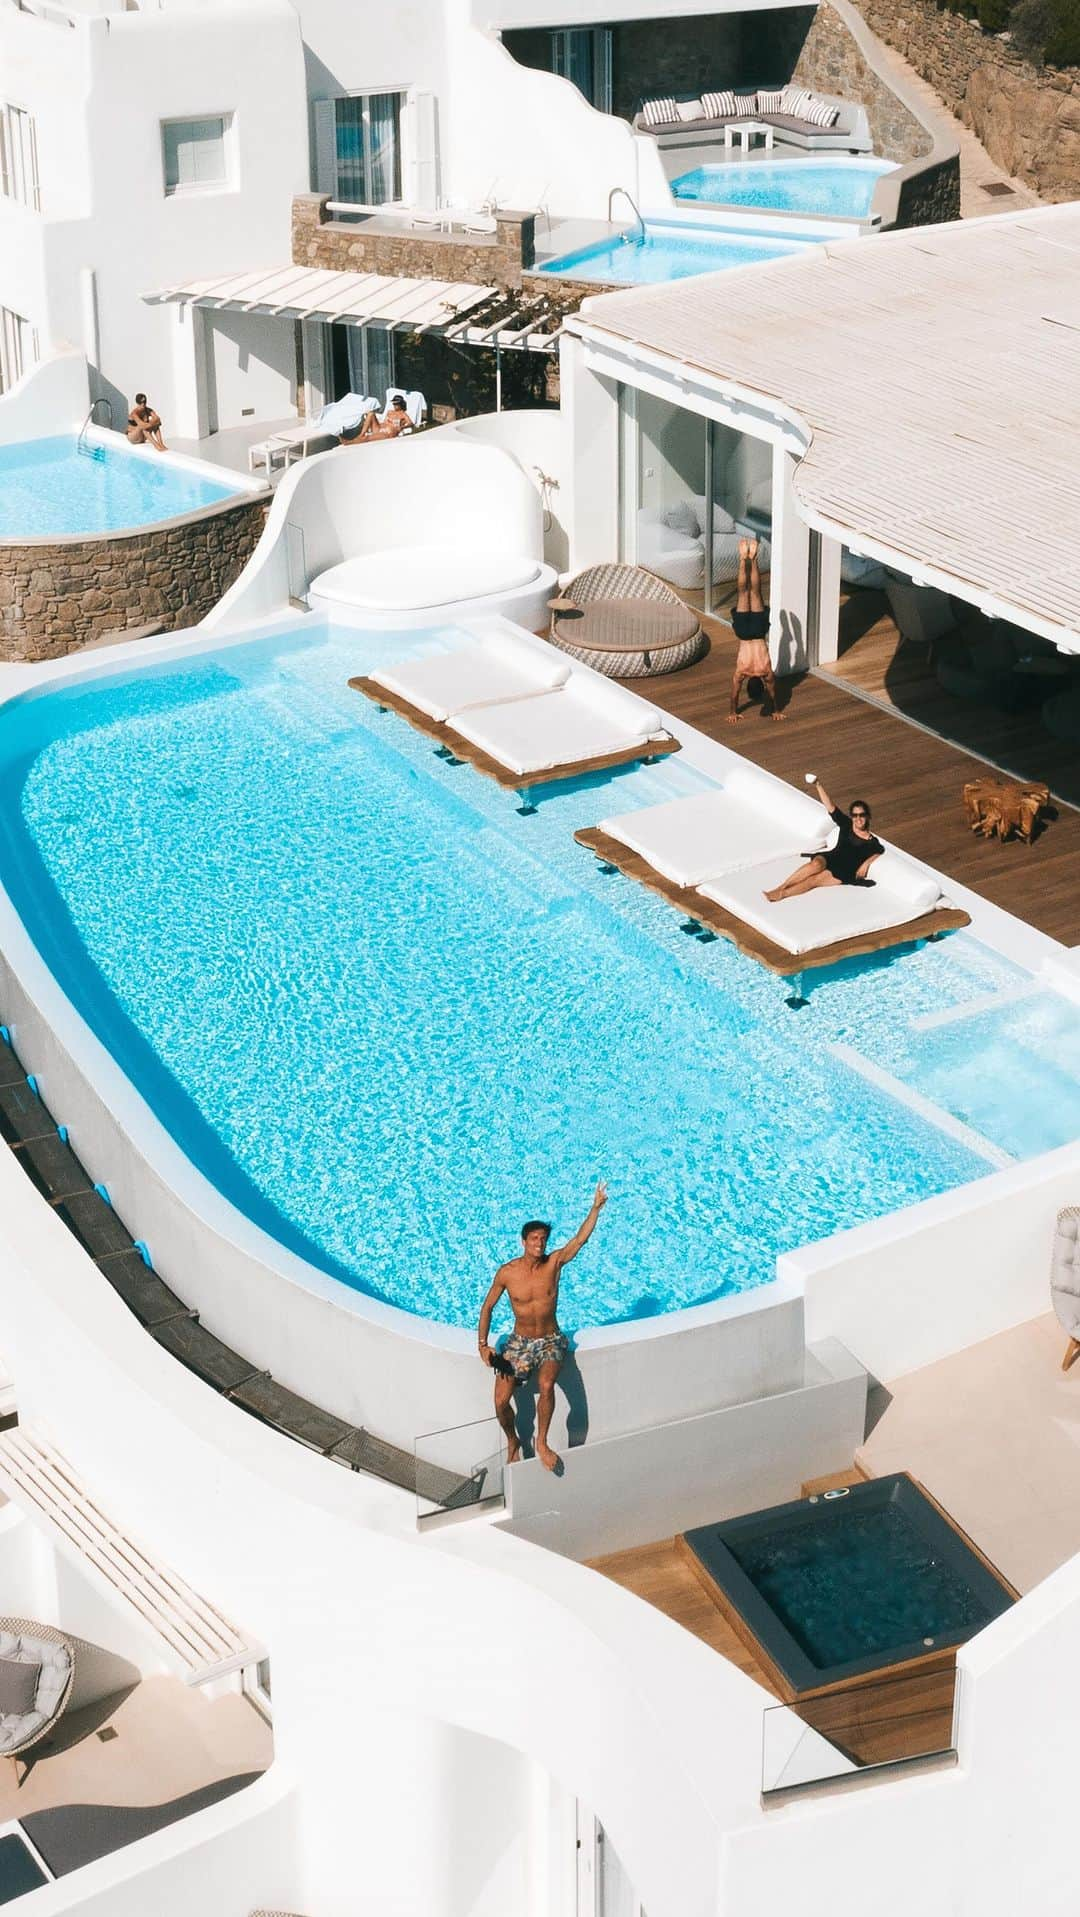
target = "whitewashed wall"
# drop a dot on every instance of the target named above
(53, 397)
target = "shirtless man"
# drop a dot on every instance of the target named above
(144, 425)
(531, 1283)
(750, 623)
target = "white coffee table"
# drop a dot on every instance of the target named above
(748, 132)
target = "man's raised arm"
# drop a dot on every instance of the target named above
(498, 1286)
(584, 1231)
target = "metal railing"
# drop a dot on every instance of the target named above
(632, 203)
(460, 1469)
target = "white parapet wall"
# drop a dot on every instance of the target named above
(431, 490)
(53, 397)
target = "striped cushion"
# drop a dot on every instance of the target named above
(745, 105)
(820, 113)
(659, 112)
(719, 106)
(770, 102)
(795, 100)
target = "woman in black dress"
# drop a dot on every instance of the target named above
(845, 863)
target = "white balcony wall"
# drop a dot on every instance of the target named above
(525, 137)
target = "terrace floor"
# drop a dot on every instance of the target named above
(132, 1763)
(912, 777)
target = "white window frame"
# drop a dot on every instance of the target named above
(19, 179)
(198, 189)
(328, 179)
(18, 347)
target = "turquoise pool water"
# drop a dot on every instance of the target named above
(57, 486)
(671, 251)
(390, 1019)
(837, 187)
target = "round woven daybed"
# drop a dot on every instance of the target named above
(48, 1659)
(625, 622)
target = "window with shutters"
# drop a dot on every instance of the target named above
(197, 155)
(18, 347)
(18, 157)
(359, 137)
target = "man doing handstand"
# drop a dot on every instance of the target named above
(531, 1283)
(750, 623)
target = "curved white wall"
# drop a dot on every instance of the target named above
(538, 439)
(429, 490)
(53, 397)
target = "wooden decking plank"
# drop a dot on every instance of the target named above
(912, 778)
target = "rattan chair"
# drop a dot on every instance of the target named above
(626, 622)
(55, 1683)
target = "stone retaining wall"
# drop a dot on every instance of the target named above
(830, 61)
(1028, 118)
(56, 596)
(341, 247)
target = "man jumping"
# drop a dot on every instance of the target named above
(531, 1283)
(750, 623)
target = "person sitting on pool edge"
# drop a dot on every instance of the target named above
(750, 624)
(845, 863)
(144, 425)
(531, 1282)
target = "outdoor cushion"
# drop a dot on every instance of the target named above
(698, 838)
(823, 916)
(410, 578)
(585, 719)
(491, 672)
(18, 1686)
(721, 518)
(746, 104)
(658, 112)
(629, 625)
(689, 110)
(820, 112)
(893, 873)
(795, 100)
(719, 106)
(682, 517)
(770, 102)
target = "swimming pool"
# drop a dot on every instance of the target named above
(827, 187)
(63, 486)
(388, 1019)
(671, 251)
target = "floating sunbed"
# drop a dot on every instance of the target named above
(718, 874)
(525, 738)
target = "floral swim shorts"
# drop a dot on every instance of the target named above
(527, 1354)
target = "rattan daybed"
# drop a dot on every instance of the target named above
(625, 622)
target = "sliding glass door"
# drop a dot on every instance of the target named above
(367, 148)
(583, 55)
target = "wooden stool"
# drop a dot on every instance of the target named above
(1000, 807)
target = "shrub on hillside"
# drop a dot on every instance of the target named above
(992, 15)
(1047, 30)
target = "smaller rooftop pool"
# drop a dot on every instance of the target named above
(672, 250)
(64, 487)
(835, 188)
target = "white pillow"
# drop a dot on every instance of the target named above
(659, 112)
(905, 881)
(682, 518)
(795, 100)
(719, 106)
(690, 109)
(721, 518)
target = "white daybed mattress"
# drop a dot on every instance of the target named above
(751, 818)
(497, 669)
(412, 578)
(900, 891)
(585, 719)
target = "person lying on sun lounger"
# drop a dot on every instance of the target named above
(845, 863)
(750, 624)
(372, 427)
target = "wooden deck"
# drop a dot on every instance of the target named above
(911, 777)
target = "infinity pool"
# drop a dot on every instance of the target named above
(389, 1018)
(836, 187)
(60, 486)
(670, 251)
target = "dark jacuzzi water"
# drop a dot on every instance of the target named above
(846, 1583)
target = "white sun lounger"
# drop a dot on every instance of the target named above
(830, 914)
(584, 720)
(497, 669)
(750, 818)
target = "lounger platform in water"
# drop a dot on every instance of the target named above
(845, 922)
(579, 726)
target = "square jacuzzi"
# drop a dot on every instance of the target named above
(854, 1581)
